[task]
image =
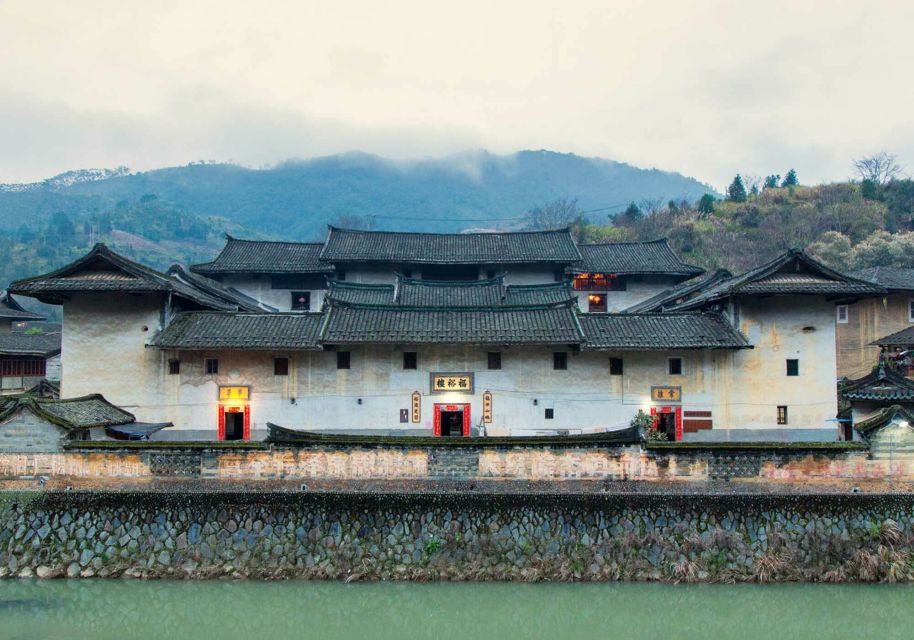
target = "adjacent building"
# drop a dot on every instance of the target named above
(29, 348)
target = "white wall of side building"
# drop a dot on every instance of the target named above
(637, 289)
(261, 288)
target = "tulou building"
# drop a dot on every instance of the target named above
(452, 335)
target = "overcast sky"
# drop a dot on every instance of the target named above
(703, 88)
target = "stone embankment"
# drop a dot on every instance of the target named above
(679, 539)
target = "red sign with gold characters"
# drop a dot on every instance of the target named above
(666, 394)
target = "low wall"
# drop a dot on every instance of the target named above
(152, 535)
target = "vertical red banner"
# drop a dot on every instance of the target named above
(437, 419)
(466, 420)
(678, 424)
(220, 433)
(247, 422)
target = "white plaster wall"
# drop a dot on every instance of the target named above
(262, 289)
(637, 289)
(52, 368)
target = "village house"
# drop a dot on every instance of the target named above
(29, 349)
(517, 333)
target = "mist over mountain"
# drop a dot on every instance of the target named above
(297, 199)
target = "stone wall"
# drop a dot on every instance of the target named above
(846, 538)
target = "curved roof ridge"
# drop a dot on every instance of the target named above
(458, 233)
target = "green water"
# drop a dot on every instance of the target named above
(124, 610)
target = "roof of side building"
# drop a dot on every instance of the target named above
(349, 245)
(634, 258)
(357, 293)
(214, 330)
(10, 309)
(892, 278)
(38, 345)
(265, 256)
(882, 385)
(662, 331)
(84, 412)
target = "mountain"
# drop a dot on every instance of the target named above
(297, 199)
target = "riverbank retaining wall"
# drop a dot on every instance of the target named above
(276, 536)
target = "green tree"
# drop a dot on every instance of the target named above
(705, 205)
(772, 181)
(790, 180)
(736, 192)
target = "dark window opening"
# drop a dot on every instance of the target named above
(23, 367)
(174, 367)
(301, 301)
(410, 360)
(598, 282)
(342, 360)
(298, 282)
(550, 414)
(340, 275)
(782, 414)
(615, 366)
(675, 366)
(494, 360)
(280, 366)
(793, 367)
(211, 366)
(234, 425)
(451, 272)
(560, 360)
(596, 302)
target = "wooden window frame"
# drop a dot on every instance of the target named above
(174, 367)
(295, 306)
(846, 309)
(344, 360)
(616, 366)
(560, 361)
(792, 364)
(669, 365)
(410, 360)
(211, 370)
(549, 414)
(493, 360)
(782, 415)
(280, 366)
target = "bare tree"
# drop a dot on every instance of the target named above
(880, 168)
(557, 214)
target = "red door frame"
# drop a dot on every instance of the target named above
(220, 433)
(675, 410)
(465, 407)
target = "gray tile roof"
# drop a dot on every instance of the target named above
(903, 338)
(538, 294)
(411, 325)
(475, 293)
(347, 245)
(10, 309)
(791, 273)
(892, 278)
(243, 301)
(355, 293)
(680, 293)
(72, 413)
(264, 256)
(634, 258)
(42, 345)
(664, 331)
(218, 330)
(882, 418)
(882, 385)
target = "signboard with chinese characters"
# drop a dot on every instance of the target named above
(666, 394)
(417, 407)
(234, 394)
(445, 382)
(487, 407)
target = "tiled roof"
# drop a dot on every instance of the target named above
(791, 273)
(680, 293)
(634, 258)
(72, 413)
(645, 331)
(42, 345)
(243, 301)
(474, 293)
(10, 309)
(892, 278)
(347, 245)
(412, 325)
(213, 330)
(538, 294)
(882, 385)
(263, 256)
(354, 293)
(882, 418)
(104, 270)
(903, 338)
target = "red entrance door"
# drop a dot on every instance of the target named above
(677, 413)
(245, 411)
(449, 411)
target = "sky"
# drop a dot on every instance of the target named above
(707, 89)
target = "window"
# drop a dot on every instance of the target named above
(782, 414)
(494, 360)
(793, 367)
(674, 366)
(23, 367)
(550, 414)
(342, 360)
(596, 302)
(174, 367)
(911, 310)
(560, 360)
(211, 366)
(280, 366)
(410, 360)
(598, 282)
(301, 282)
(301, 301)
(615, 366)
(841, 311)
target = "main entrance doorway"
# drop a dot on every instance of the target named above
(668, 420)
(234, 422)
(452, 420)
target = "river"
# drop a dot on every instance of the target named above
(127, 610)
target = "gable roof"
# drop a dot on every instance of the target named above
(105, 270)
(10, 309)
(42, 345)
(882, 418)
(882, 385)
(350, 245)
(793, 272)
(903, 338)
(265, 256)
(647, 331)
(356, 293)
(634, 258)
(219, 330)
(361, 324)
(680, 293)
(892, 278)
(84, 412)
(228, 294)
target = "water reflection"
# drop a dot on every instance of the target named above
(226, 610)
